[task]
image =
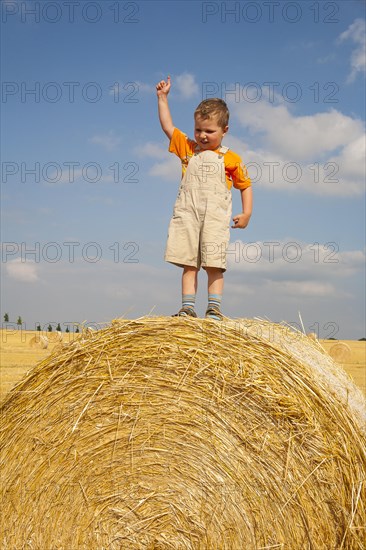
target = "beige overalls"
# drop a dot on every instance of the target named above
(199, 231)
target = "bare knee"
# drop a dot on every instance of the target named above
(190, 269)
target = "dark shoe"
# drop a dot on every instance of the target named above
(185, 312)
(214, 313)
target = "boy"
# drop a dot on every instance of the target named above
(199, 231)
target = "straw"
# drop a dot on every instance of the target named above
(170, 433)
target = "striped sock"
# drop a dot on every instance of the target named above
(214, 301)
(188, 300)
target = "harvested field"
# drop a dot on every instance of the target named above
(18, 354)
(17, 358)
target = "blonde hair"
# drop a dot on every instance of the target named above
(214, 107)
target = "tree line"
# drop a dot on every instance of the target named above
(38, 327)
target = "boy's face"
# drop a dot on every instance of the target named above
(207, 133)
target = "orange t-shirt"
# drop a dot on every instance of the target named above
(235, 170)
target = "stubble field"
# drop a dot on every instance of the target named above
(18, 356)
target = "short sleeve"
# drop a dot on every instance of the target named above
(181, 145)
(237, 170)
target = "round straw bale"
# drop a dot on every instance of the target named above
(55, 336)
(43, 342)
(38, 341)
(32, 342)
(173, 433)
(341, 352)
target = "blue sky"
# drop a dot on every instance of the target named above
(88, 185)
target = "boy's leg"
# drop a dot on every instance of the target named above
(215, 280)
(189, 280)
(215, 286)
(189, 289)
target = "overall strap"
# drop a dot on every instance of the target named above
(222, 149)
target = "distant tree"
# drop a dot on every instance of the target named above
(77, 329)
(39, 328)
(362, 339)
(58, 328)
(67, 329)
(49, 328)
(332, 338)
(19, 321)
(6, 318)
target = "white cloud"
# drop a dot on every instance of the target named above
(109, 141)
(297, 137)
(338, 175)
(305, 261)
(351, 164)
(301, 289)
(186, 85)
(356, 32)
(322, 153)
(290, 272)
(153, 150)
(169, 170)
(24, 271)
(168, 166)
(143, 87)
(320, 173)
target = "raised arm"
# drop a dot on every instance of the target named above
(162, 90)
